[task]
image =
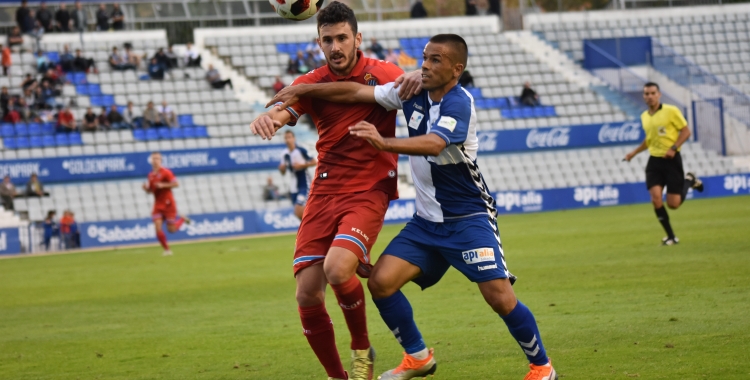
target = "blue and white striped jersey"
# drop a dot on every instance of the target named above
(299, 180)
(449, 186)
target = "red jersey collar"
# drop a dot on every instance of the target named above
(356, 71)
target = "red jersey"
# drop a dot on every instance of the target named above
(163, 197)
(348, 164)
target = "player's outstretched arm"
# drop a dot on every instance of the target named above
(268, 123)
(409, 84)
(637, 150)
(425, 145)
(338, 92)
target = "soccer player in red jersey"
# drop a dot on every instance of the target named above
(161, 181)
(349, 195)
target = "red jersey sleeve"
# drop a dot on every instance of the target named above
(299, 109)
(169, 176)
(390, 71)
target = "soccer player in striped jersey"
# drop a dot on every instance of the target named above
(296, 160)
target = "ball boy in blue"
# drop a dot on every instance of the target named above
(455, 223)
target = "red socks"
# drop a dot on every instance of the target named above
(162, 237)
(351, 297)
(318, 329)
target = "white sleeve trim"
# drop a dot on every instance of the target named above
(387, 96)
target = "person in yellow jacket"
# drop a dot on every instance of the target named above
(666, 130)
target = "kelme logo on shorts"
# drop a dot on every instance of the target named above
(478, 255)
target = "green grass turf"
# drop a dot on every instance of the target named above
(610, 302)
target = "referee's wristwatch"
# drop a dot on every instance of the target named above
(674, 148)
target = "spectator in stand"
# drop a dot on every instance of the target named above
(7, 193)
(155, 70)
(278, 85)
(29, 83)
(62, 18)
(37, 32)
(26, 112)
(192, 56)
(102, 18)
(69, 230)
(47, 94)
(44, 16)
(115, 119)
(34, 187)
(14, 37)
(167, 116)
(131, 57)
(24, 18)
(66, 122)
(466, 80)
(151, 117)
(12, 115)
(42, 62)
(529, 97)
(102, 120)
(118, 18)
(50, 228)
(418, 10)
(54, 81)
(370, 54)
(392, 57)
(271, 191)
(298, 64)
(90, 121)
(377, 48)
(66, 60)
(6, 60)
(172, 61)
(80, 18)
(213, 78)
(117, 62)
(4, 98)
(83, 64)
(131, 116)
(161, 59)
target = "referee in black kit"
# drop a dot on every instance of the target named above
(666, 130)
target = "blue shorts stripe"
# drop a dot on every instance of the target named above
(303, 259)
(356, 241)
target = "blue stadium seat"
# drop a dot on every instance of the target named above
(62, 139)
(475, 92)
(108, 100)
(22, 129)
(188, 132)
(48, 140)
(77, 78)
(48, 128)
(7, 130)
(82, 89)
(201, 131)
(10, 143)
(35, 141)
(35, 129)
(94, 89)
(75, 138)
(151, 134)
(165, 133)
(96, 100)
(177, 133)
(549, 111)
(53, 56)
(185, 120)
(139, 135)
(22, 142)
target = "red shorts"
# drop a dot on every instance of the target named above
(352, 221)
(165, 212)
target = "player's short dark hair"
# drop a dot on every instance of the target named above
(457, 43)
(156, 152)
(289, 131)
(335, 13)
(652, 84)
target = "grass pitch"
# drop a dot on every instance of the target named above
(611, 303)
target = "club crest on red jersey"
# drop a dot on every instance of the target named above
(371, 80)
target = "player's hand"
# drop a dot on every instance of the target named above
(299, 167)
(629, 157)
(288, 96)
(159, 185)
(409, 84)
(670, 154)
(145, 187)
(264, 126)
(368, 132)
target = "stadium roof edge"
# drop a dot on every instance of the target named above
(199, 34)
(590, 16)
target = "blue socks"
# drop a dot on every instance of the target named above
(397, 314)
(522, 326)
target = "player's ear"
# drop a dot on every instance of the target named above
(358, 40)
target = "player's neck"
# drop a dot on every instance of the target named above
(437, 94)
(652, 110)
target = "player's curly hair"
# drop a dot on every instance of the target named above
(335, 13)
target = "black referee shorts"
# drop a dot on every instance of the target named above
(662, 172)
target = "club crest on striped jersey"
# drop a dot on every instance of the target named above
(371, 80)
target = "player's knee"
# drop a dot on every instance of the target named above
(673, 205)
(307, 297)
(337, 274)
(171, 229)
(379, 286)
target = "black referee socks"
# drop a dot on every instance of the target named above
(661, 214)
